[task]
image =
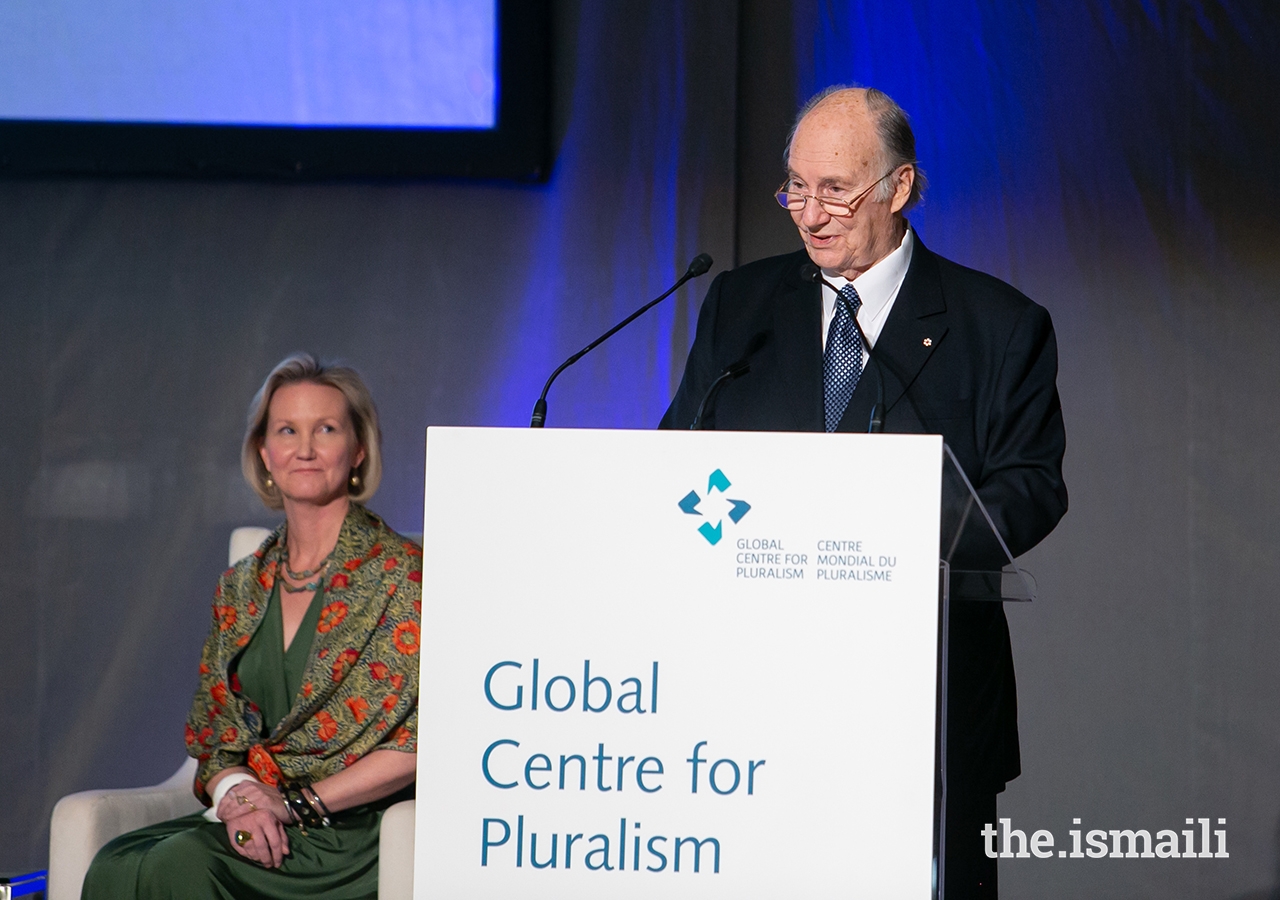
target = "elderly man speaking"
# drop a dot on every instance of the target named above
(941, 349)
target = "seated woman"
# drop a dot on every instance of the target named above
(305, 721)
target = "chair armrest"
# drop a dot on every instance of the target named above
(84, 822)
(395, 852)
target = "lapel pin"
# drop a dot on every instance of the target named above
(928, 342)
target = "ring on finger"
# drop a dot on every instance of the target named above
(243, 837)
(242, 799)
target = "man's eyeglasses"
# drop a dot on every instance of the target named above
(794, 201)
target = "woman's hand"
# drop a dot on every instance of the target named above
(249, 795)
(254, 809)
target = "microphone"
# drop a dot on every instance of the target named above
(727, 374)
(698, 266)
(811, 273)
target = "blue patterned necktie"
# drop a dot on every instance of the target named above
(842, 360)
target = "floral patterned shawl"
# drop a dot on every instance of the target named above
(360, 690)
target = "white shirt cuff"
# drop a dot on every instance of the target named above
(220, 791)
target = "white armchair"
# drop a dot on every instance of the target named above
(83, 822)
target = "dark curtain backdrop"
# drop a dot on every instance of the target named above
(1116, 161)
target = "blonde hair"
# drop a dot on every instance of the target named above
(303, 367)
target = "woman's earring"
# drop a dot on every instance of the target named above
(355, 480)
(269, 483)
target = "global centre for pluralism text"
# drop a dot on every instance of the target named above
(508, 766)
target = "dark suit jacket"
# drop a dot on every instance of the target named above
(962, 354)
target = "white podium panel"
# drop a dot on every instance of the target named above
(677, 664)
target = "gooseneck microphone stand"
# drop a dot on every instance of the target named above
(700, 264)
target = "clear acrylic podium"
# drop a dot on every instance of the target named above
(975, 566)
(975, 560)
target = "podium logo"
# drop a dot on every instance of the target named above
(717, 483)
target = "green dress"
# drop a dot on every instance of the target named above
(191, 857)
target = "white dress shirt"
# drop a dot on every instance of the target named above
(877, 287)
